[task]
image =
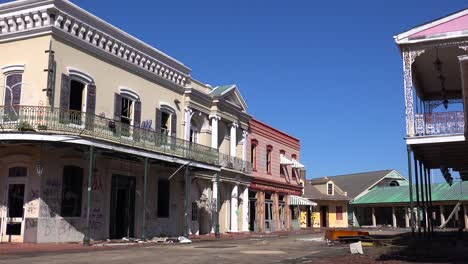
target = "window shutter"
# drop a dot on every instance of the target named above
(91, 100)
(117, 107)
(174, 125)
(157, 119)
(90, 106)
(137, 114)
(65, 93)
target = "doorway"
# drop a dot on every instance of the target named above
(77, 101)
(122, 213)
(12, 222)
(323, 216)
(252, 211)
(269, 225)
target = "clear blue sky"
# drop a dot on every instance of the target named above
(327, 72)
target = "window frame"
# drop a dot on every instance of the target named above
(253, 153)
(269, 151)
(7, 73)
(339, 213)
(330, 183)
(132, 108)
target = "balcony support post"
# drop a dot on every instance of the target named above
(218, 206)
(233, 139)
(245, 209)
(214, 130)
(187, 123)
(234, 207)
(91, 157)
(410, 179)
(187, 204)
(409, 56)
(145, 187)
(244, 145)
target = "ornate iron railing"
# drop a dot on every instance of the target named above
(234, 163)
(439, 123)
(47, 120)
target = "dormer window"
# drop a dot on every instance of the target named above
(330, 189)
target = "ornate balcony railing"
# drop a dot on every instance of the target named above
(47, 120)
(439, 123)
(233, 163)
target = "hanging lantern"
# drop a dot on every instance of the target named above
(39, 168)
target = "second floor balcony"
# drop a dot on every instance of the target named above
(439, 123)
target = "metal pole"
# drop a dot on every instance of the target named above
(423, 198)
(416, 176)
(186, 201)
(218, 205)
(86, 238)
(145, 185)
(410, 189)
(430, 201)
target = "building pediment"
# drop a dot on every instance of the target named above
(451, 26)
(229, 94)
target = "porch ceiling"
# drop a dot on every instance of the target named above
(426, 79)
(451, 154)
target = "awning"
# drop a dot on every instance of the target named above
(285, 161)
(297, 200)
(296, 164)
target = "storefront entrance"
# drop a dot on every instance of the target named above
(122, 212)
(269, 223)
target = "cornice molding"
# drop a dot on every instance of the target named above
(49, 18)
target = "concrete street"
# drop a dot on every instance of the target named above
(278, 249)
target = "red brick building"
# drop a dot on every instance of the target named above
(277, 178)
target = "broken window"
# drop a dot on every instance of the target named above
(163, 198)
(127, 111)
(165, 123)
(72, 189)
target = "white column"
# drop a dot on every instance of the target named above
(233, 139)
(214, 200)
(442, 216)
(234, 208)
(374, 220)
(407, 219)
(245, 209)
(465, 214)
(214, 130)
(244, 145)
(187, 122)
(394, 220)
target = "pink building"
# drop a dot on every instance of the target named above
(277, 178)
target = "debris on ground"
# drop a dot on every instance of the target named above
(356, 248)
(184, 240)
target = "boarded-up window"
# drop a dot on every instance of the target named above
(72, 189)
(339, 213)
(163, 198)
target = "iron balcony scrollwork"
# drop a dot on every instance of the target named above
(439, 123)
(38, 119)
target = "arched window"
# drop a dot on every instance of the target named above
(394, 183)
(166, 120)
(253, 153)
(269, 150)
(12, 91)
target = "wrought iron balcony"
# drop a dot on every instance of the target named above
(439, 123)
(234, 163)
(47, 120)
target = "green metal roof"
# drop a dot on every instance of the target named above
(400, 194)
(219, 90)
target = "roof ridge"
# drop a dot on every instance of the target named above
(356, 173)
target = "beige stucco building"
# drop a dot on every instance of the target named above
(103, 136)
